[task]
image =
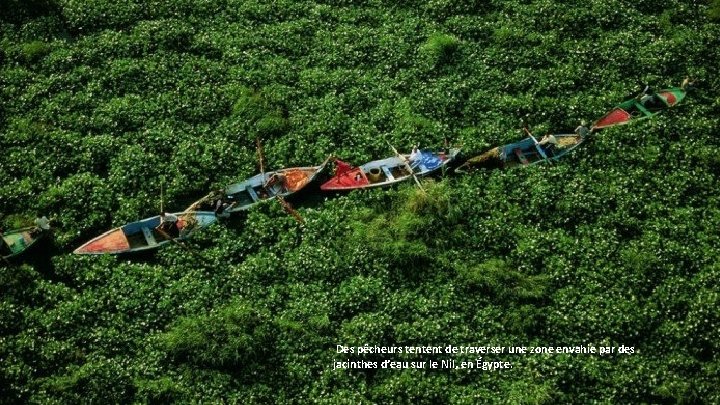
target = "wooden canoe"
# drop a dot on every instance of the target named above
(17, 241)
(386, 172)
(241, 196)
(641, 108)
(143, 235)
(524, 153)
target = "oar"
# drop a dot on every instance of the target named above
(537, 145)
(162, 180)
(194, 206)
(260, 157)
(643, 91)
(290, 210)
(407, 165)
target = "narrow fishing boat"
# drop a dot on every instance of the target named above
(17, 241)
(527, 151)
(641, 107)
(146, 234)
(264, 186)
(386, 172)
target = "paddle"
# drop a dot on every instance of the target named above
(537, 145)
(162, 181)
(260, 157)
(290, 210)
(407, 165)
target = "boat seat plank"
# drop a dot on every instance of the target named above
(389, 175)
(149, 237)
(252, 193)
(520, 156)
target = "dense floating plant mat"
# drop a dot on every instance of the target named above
(615, 244)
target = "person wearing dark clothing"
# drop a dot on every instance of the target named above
(169, 224)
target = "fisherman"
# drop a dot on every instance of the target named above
(169, 224)
(415, 154)
(415, 157)
(582, 129)
(275, 178)
(548, 139)
(220, 204)
(649, 100)
(687, 84)
(42, 224)
(550, 143)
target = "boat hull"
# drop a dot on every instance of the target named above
(18, 241)
(389, 171)
(635, 110)
(143, 235)
(246, 194)
(525, 152)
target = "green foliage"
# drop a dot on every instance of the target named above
(256, 109)
(234, 336)
(105, 102)
(34, 51)
(440, 48)
(714, 11)
(100, 378)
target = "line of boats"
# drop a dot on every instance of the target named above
(145, 234)
(148, 234)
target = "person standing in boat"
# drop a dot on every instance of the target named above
(221, 206)
(415, 157)
(649, 101)
(582, 129)
(169, 224)
(687, 84)
(42, 224)
(415, 154)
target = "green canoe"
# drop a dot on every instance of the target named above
(17, 241)
(641, 107)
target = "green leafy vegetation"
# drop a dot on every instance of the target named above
(714, 11)
(617, 244)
